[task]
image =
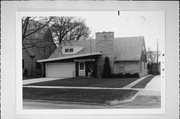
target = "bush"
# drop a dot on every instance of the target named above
(106, 73)
(125, 75)
(135, 75)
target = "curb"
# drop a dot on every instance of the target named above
(116, 102)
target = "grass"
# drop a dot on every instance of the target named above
(144, 82)
(89, 82)
(85, 95)
(78, 95)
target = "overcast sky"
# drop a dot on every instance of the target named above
(149, 24)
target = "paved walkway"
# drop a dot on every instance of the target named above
(72, 87)
(135, 82)
(37, 80)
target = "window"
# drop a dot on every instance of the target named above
(67, 50)
(71, 50)
(121, 68)
(81, 66)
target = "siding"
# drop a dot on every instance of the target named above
(126, 67)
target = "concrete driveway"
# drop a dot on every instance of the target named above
(37, 80)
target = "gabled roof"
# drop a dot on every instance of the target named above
(124, 49)
(128, 48)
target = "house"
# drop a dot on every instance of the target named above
(86, 57)
(33, 51)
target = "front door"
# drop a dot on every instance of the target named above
(81, 68)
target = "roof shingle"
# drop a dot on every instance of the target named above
(124, 49)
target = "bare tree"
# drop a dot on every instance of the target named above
(31, 26)
(33, 29)
(68, 28)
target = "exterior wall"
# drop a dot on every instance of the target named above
(143, 68)
(131, 67)
(126, 67)
(104, 44)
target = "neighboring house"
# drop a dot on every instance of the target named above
(86, 57)
(36, 50)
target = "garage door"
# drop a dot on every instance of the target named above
(63, 70)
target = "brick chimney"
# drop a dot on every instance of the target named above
(104, 44)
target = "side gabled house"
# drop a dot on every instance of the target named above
(86, 57)
(36, 46)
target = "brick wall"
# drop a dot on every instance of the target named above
(104, 44)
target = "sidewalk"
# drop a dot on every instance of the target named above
(153, 88)
(37, 80)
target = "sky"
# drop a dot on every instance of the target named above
(150, 24)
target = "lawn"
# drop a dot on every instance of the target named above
(100, 96)
(89, 82)
(144, 82)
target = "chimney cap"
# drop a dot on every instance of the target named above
(105, 32)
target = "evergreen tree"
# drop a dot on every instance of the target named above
(106, 73)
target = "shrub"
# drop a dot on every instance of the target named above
(106, 72)
(125, 75)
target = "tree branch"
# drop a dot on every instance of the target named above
(38, 28)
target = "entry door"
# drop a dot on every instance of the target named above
(81, 68)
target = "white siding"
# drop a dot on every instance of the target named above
(63, 70)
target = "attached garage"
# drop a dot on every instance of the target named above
(62, 70)
(70, 66)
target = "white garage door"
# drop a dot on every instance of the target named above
(63, 70)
